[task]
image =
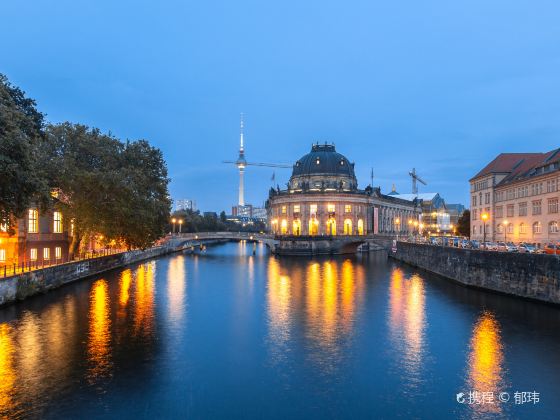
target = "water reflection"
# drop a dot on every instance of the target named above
(99, 332)
(176, 281)
(7, 371)
(407, 325)
(485, 363)
(326, 294)
(144, 300)
(278, 303)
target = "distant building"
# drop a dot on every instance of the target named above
(185, 204)
(259, 213)
(435, 216)
(518, 195)
(455, 212)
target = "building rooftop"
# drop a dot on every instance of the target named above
(518, 165)
(323, 160)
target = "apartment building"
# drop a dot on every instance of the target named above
(517, 194)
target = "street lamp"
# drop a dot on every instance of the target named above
(180, 224)
(506, 223)
(173, 221)
(484, 216)
(398, 223)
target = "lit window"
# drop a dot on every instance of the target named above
(318, 161)
(33, 254)
(2, 255)
(330, 208)
(46, 253)
(553, 227)
(33, 221)
(522, 228)
(347, 208)
(296, 208)
(3, 227)
(57, 222)
(283, 209)
(313, 209)
(537, 227)
(58, 253)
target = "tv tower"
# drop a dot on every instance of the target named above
(241, 164)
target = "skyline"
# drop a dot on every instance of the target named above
(442, 88)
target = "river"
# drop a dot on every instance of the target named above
(227, 334)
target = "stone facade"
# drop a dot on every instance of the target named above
(25, 285)
(531, 276)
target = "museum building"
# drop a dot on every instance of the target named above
(322, 198)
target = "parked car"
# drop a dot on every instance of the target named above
(552, 249)
(490, 246)
(474, 244)
(511, 247)
(464, 244)
(523, 247)
(502, 246)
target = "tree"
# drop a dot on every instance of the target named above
(464, 224)
(22, 180)
(113, 189)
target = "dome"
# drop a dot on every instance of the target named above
(323, 169)
(323, 160)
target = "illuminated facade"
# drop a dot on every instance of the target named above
(40, 237)
(518, 194)
(322, 198)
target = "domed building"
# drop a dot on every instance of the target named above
(323, 199)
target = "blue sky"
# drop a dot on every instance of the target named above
(437, 85)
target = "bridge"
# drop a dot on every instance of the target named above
(286, 244)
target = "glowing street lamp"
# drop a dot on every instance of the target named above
(484, 216)
(173, 221)
(506, 223)
(398, 223)
(180, 224)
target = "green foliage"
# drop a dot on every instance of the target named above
(193, 221)
(113, 189)
(22, 180)
(464, 224)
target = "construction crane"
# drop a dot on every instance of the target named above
(415, 178)
(242, 163)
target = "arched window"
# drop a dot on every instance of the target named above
(360, 227)
(296, 227)
(331, 226)
(313, 226)
(500, 228)
(284, 227)
(510, 228)
(553, 227)
(522, 228)
(537, 227)
(348, 227)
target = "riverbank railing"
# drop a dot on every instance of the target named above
(9, 270)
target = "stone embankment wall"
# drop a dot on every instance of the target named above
(525, 275)
(24, 285)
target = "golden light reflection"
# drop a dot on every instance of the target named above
(144, 300)
(7, 371)
(407, 323)
(176, 281)
(124, 287)
(327, 294)
(486, 359)
(278, 298)
(99, 338)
